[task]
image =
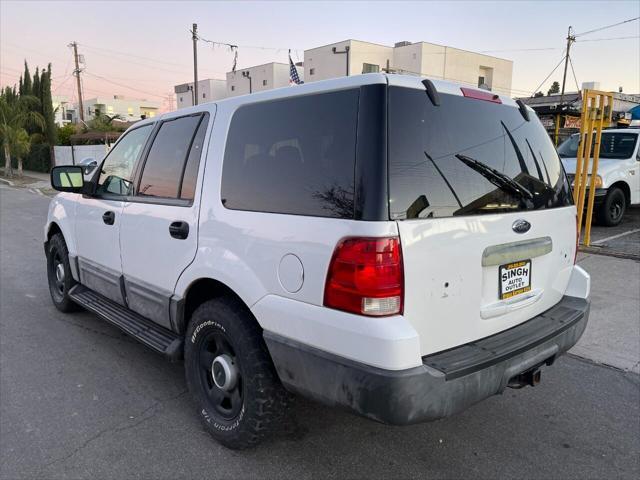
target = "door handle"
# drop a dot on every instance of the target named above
(179, 230)
(109, 218)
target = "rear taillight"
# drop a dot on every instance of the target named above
(366, 277)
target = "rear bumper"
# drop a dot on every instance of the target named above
(445, 383)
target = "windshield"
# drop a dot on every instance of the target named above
(617, 145)
(468, 157)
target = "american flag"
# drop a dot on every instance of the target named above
(294, 79)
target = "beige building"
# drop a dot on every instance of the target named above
(209, 90)
(353, 57)
(260, 77)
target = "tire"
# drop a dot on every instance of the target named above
(59, 274)
(613, 208)
(237, 413)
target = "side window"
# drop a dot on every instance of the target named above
(116, 175)
(294, 156)
(190, 176)
(162, 174)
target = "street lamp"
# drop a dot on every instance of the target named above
(246, 74)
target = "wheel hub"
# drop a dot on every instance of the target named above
(60, 272)
(224, 372)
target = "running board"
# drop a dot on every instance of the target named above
(142, 329)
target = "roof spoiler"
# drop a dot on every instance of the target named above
(432, 93)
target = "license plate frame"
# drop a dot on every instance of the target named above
(521, 283)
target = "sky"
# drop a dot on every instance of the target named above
(141, 49)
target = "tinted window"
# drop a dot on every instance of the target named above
(617, 145)
(163, 168)
(190, 176)
(117, 170)
(468, 157)
(293, 156)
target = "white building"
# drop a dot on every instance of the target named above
(261, 77)
(353, 57)
(64, 111)
(128, 109)
(209, 90)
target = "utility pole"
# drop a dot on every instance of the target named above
(194, 37)
(570, 40)
(77, 73)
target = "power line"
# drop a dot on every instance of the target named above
(547, 77)
(607, 39)
(574, 74)
(606, 27)
(122, 85)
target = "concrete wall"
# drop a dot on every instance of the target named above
(128, 109)
(65, 155)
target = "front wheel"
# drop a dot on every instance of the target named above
(59, 274)
(613, 208)
(230, 374)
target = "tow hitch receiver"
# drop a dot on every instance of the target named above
(530, 377)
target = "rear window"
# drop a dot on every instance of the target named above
(293, 156)
(468, 157)
(616, 145)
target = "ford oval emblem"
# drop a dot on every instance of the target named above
(521, 226)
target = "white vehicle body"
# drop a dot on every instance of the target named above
(618, 167)
(277, 265)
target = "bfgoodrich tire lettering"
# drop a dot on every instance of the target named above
(238, 412)
(59, 274)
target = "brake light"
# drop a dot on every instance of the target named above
(480, 95)
(366, 277)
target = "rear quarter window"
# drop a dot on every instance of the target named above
(293, 156)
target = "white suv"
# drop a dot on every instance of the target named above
(618, 178)
(399, 247)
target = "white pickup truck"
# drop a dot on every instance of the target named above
(618, 180)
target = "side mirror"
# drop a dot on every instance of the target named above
(67, 178)
(89, 165)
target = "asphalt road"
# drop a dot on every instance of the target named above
(79, 399)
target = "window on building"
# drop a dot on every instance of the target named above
(264, 83)
(180, 99)
(109, 109)
(117, 169)
(130, 110)
(312, 71)
(480, 81)
(151, 114)
(162, 174)
(370, 68)
(293, 156)
(233, 87)
(204, 95)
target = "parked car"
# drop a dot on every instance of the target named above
(618, 177)
(398, 247)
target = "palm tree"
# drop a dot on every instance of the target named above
(16, 113)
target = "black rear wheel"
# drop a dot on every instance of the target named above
(59, 274)
(230, 374)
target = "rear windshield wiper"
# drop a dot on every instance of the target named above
(499, 179)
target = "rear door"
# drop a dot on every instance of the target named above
(159, 231)
(484, 214)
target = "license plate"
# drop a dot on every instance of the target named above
(514, 278)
